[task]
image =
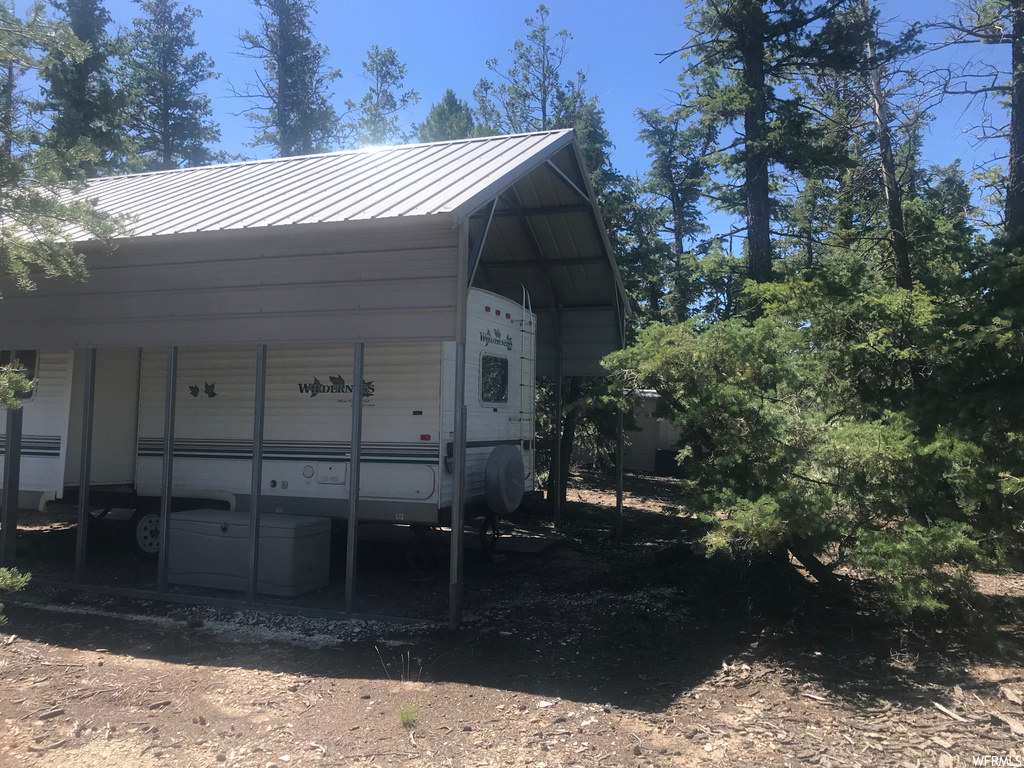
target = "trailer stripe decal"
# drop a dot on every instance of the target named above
(280, 450)
(42, 446)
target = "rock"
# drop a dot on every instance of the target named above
(467, 728)
(222, 758)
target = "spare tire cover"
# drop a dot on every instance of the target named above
(504, 479)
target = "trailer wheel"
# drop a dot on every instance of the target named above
(145, 531)
(504, 479)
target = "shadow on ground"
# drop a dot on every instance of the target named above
(635, 622)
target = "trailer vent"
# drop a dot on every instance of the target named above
(331, 474)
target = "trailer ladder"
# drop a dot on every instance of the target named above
(527, 377)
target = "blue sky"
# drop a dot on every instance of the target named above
(446, 45)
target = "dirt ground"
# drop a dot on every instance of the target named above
(597, 652)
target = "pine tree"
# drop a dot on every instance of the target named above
(678, 146)
(755, 46)
(995, 22)
(292, 109)
(36, 209)
(376, 115)
(81, 95)
(169, 116)
(448, 120)
(525, 97)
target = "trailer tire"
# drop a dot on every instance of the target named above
(504, 479)
(145, 533)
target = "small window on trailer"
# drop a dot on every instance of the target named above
(493, 379)
(26, 366)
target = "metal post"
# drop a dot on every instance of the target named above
(85, 467)
(619, 449)
(355, 456)
(170, 396)
(556, 449)
(12, 485)
(257, 469)
(619, 455)
(458, 491)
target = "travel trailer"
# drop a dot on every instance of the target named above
(408, 425)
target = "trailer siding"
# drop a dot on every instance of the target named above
(308, 415)
(491, 424)
(44, 441)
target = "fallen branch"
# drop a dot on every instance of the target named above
(46, 715)
(55, 745)
(90, 694)
(949, 712)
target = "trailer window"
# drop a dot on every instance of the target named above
(26, 359)
(493, 379)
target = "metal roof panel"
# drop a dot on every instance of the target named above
(376, 182)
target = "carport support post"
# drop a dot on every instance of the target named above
(458, 491)
(355, 456)
(257, 469)
(619, 454)
(12, 478)
(85, 467)
(170, 396)
(556, 448)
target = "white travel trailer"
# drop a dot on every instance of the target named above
(408, 425)
(265, 285)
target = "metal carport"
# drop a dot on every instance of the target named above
(323, 248)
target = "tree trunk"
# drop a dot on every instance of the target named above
(1015, 183)
(759, 244)
(567, 438)
(822, 574)
(7, 112)
(893, 196)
